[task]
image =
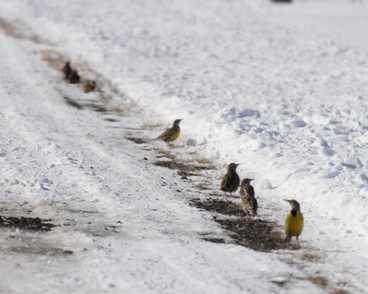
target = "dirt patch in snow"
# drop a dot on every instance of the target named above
(26, 223)
(219, 206)
(136, 140)
(252, 232)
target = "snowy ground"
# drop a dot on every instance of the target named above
(281, 89)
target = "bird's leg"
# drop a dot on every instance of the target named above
(287, 241)
(297, 240)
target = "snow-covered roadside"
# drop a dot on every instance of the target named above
(314, 153)
(128, 228)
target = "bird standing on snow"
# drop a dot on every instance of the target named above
(172, 133)
(230, 181)
(70, 74)
(88, 86)
(67, 70)
(249, 202)
(74, 77)
(294, 221)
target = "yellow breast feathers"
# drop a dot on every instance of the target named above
(294, 223)
(175, 135)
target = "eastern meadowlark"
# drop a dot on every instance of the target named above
(172, 133)
(249, 202)
(230, 181)
(88, 86)
(294, 221)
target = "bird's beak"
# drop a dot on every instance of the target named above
(238, 164)
(286, 200)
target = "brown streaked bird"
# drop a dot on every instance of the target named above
(74, 77)
(249, 202)
(230, 181)
(88, 85)
(70, 74)
(172, 133)
(67, 70)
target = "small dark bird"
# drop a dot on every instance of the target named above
(70, 74)
(230, 181)
(74, 77)
(249, 202)
(172, 133)
(67, 70)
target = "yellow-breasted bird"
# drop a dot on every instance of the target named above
(230, 181)
(172, 133)
(294, 221)
(249, 202)
(88, 86)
